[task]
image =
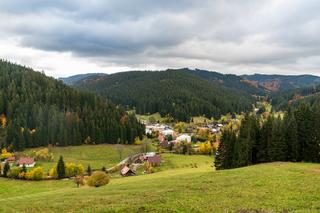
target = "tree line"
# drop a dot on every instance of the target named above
(37, 110)
(295, 138)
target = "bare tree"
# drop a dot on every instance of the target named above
(120, 148)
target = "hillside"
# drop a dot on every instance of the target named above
(273, 187)
(75, 78)
(37, 110)
(276, 83)
(179, 93)
(309, 95)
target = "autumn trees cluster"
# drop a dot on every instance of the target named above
(295, 137)
(36, 110)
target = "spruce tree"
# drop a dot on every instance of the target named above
(24, 168)
(6, 169)
(89, 170)
(291, 136)
(61, 168)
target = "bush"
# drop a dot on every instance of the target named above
(43, 154)
(71, 170)
(14, 172)
(35, 174)
(98, 178)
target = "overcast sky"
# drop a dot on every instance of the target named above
(65, 37)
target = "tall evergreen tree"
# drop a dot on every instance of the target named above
(61, 168)
(6, 169)
(291, 136)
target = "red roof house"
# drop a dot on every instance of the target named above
(27, 161)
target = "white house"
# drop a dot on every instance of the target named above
(184, 137)
(168, 132)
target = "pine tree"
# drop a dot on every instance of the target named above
(24, 168)
(6, 169)
(89, 171)
(61, 168)
(225, 152)
(291, 136)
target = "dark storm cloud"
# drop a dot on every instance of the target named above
(165, 33)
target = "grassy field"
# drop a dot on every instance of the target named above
(271, 187)
(95, 155)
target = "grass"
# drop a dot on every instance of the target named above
(156, 116)
(272, 187)
(95, 155)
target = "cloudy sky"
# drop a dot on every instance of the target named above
(65, 37)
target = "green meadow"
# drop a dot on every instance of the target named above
(178, 186)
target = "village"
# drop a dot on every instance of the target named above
(201, 138)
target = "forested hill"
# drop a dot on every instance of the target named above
(276, 83)
(76, 78)
(180, 93)
(37, 110)
(309, 95)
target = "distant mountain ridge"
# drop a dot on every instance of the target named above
(276, 83)
(76, 78)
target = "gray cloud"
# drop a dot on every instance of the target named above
(266, 35)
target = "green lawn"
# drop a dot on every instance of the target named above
(95, 155)
(271, 187)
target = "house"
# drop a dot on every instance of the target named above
(184, 137)
(161, 138)
(168, 132)
(165, 144)
(27, 161)
(11, 160)
(154, 160)
(214, 130)
(150, 154)
(126, 171)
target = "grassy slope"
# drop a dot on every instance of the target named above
(95, 155)
(272, 187)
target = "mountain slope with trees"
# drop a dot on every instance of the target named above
(276, 83)
(309, 95)
(37, 110)
(179, 93)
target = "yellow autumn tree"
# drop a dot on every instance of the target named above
(5, 154)
(3, 120)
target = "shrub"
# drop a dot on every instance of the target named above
(35, 174)
(14, 172)
(43, 154)
(5, 154)
(98, 178)
(71, 170)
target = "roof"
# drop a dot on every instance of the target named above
(26, 160)
(167, 132)
(125, 170)
(154, 159)
(12, 158)
(184, 137)
(150, 154)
